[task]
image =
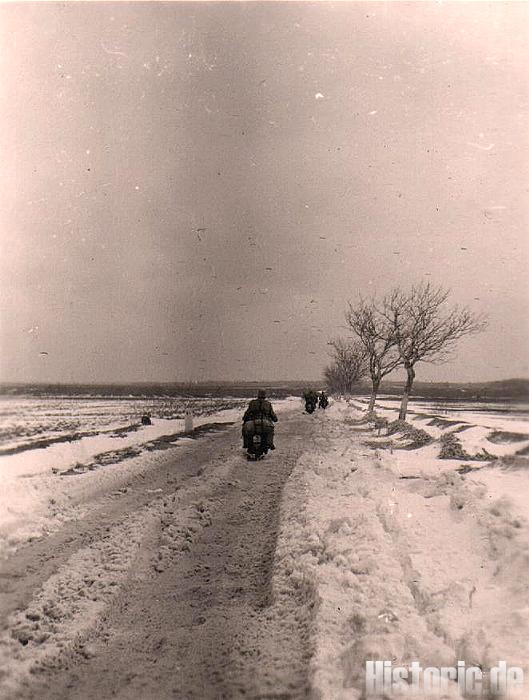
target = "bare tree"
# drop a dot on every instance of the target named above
(425, 329)
(348, 365)
(375, 334)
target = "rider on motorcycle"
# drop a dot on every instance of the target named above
(311, 400)
(259, 409)
(323, 400)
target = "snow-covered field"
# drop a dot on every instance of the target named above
(408, 545)
(41, 487)
(28, 421)
(404, 556)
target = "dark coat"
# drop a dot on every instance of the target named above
(259, 408)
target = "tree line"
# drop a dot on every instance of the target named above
(397, 331)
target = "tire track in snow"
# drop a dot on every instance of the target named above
(198, 615)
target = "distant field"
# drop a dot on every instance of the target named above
(511, 407)
(27, 422)
(505, 390)
(173, 390)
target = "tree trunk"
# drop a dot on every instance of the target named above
(406, 394)
(374, 392)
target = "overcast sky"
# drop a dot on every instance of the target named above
(194, 191)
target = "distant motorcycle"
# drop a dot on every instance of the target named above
(310, 405)
(311, 400)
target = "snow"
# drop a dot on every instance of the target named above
(58, 614)
(475, 440)
(392, 553)
(430, 568)
(34, 501)
(25, 420)
(63, 613)
(61, 456)
(473, 428)
(506, 485)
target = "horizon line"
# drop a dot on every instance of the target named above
(240, 381)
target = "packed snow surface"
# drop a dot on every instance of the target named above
(42, 487)
(394, 552)
(407, 557)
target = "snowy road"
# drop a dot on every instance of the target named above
(200, 575)
(164, 589)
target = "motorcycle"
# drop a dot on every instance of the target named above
(310, 406)
(311, 400)
(257, 442)
(257, 448)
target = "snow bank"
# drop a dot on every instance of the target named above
(61, 456)
(401, 558)
(479, 435)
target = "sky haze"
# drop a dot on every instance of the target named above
(195, 190)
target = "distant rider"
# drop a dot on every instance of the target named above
(259, 409)
(323, 400)
(311, 400)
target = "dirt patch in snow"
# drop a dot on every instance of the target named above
(164, 442)
(516, 461)
(503, 436)
(452, 448)
(414, 437)
(442, 422)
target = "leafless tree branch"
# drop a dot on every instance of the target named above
(348, 365)
(374, 330)
(424, 329)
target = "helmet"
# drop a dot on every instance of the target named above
(261, 394)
